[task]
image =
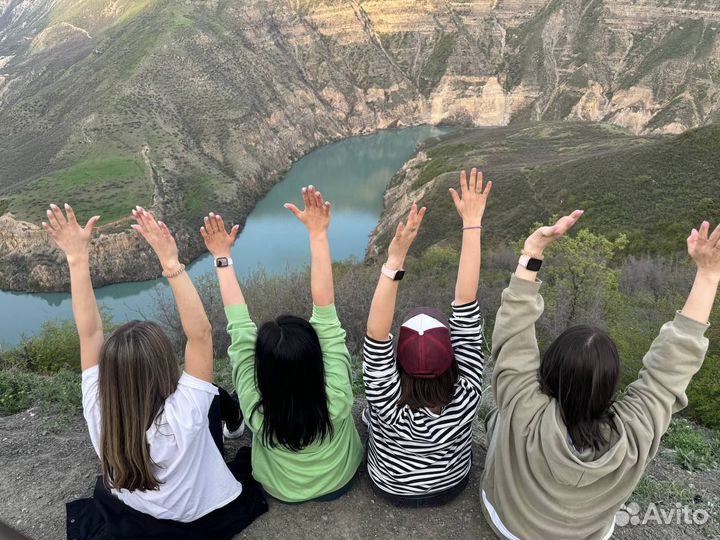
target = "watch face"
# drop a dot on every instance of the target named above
(222, 262)
(534, 265)
(399, 275)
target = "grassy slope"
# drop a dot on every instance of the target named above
(115, 183)
(653, 189)
(110, 175)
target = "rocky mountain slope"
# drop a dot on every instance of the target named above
(652, 189)
(188, 106)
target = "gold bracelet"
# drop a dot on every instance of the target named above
(175, 273)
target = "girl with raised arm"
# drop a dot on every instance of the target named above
(421, 407)
(163, 472)
(293, 377)
(563, 456)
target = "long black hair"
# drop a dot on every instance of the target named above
(290, 376)
(581, 370)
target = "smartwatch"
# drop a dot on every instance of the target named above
(223, 262)
(531, 264)
(395, 275)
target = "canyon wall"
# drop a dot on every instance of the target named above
(220, 97)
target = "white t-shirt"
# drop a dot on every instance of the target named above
(194, 479)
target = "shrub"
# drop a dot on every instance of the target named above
(692, 449)
(55, 347)
(57, 393)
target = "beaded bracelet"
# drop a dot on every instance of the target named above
(175, 273)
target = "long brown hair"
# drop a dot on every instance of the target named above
(434, 393)
(138, 371)
(581, 370)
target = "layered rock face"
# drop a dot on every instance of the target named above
(220, 97)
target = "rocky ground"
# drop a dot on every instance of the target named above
(47, 461)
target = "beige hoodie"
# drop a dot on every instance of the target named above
(538, 486)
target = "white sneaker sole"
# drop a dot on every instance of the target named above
(234, 434)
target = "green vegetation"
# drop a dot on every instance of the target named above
(652, 490)
(436, 65)
(114, 183)
(693, 450)
(682, 40)
(58, 393)
(626, 184)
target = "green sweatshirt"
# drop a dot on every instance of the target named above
(324, 466)
(535, 484)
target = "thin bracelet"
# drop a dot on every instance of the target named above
(175, 273)
(470, 228)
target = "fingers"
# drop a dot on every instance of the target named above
(90, 225)
(208, 226)
(309, 197)
(421, 215)
(70, 214)
(52, 220)
(294, 209)
(204, 233)
(473, 180)
(399, 230)
(715, 236)
(164, 228)
(488, 189)
(455, 198)
(327, 208)
(463, 183)
(218, 222)
(56, 217)
(139, 217)
(704, 228)
(411, 216)
(234, 233)
(48, 229)
(138, 229)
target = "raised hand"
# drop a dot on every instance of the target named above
(317, 212)
(471, 204)
(538, 241)
(67, 232)
(217, 240)
(405, 235)
(704, 249)
(158, 236)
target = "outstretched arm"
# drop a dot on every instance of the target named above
(514, 344)
(471, 207)
(382, 309)
(219, 243)
(705, 251)
(679, 350)
(316, 217)
(74, 241)
(541, 239)
(196, 326)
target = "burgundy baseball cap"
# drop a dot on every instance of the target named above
(424, 348)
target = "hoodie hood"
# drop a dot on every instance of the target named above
(570, 466)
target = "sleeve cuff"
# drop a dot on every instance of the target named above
(237, 312)
(198, 384)
(324, 313)
(387, 341)
(523, 287)
(90, 372)
(689, 326)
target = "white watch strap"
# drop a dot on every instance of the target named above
(229, 260)
(524, 260)
(389, 273)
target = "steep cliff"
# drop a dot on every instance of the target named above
(212, 100)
